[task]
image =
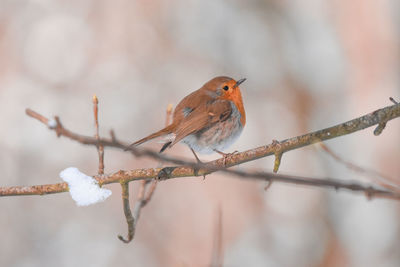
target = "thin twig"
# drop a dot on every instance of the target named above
(140, 202)
(217, 258)
(150, 192)
(144, 198)
(128, 214)
(133, 219)
(379, 178)
(100, 147)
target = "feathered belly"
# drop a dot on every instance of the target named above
(218, 137)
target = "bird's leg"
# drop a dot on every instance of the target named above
(226, 155)
(196, 170)
(195, 155)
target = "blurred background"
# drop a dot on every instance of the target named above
(309, 64)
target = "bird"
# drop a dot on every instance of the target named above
(208, 120)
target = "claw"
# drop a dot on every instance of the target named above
(226, 155)
(165, 173)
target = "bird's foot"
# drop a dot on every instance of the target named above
(165, 173)
(226, 156)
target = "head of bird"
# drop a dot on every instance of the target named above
(226, 88)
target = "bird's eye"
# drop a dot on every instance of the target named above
(225, 88)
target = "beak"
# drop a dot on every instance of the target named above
(239, 82)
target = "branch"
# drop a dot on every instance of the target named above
(190, 169)
(379, 178)
(128, 214)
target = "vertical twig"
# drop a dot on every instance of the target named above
(217, 258)
(100, 147)
(142, 198)
(128, 214)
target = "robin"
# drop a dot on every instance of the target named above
(208, 120)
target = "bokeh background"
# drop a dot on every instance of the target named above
(310, 64)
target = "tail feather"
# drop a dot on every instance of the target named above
(166, 130)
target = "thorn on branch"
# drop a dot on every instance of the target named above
(378, 130)
(278, 154)
(336, 187)
(113, 137)
(369, 193)
(277, 162)
(381, 126)
(269, 183)
(394, 101)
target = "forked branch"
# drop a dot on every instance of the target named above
(191, 169)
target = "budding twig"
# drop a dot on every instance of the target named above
(100, 147)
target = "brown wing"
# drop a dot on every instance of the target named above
(191, 102)
(203, 116)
